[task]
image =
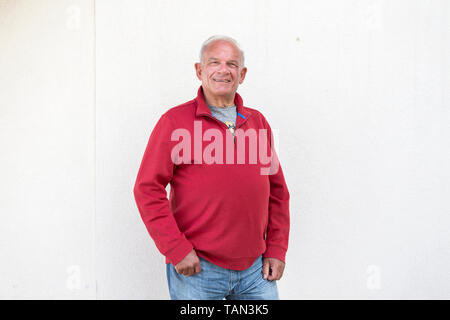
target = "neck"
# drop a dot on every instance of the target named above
(218, 101)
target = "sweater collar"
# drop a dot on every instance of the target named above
(202, 108)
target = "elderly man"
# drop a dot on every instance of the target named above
(224, 229)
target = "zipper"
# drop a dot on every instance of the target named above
(226, 128)
(224, 125)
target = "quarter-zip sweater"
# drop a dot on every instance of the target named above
(230, 212)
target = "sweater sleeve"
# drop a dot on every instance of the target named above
(155, 172)
(278, 223)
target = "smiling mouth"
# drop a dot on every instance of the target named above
(222, 80)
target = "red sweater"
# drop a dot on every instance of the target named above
(230, 213)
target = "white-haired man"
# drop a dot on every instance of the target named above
(224, 229)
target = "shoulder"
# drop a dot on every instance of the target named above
(254, 112)
(180, 111)
(183, 108)
(257, 116)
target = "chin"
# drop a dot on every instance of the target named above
(222, 91)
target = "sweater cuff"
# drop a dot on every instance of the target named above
(275, 252)
(179, 252)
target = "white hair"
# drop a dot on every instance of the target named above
(224, 38)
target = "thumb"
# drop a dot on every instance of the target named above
(265, 270)
(197, 267)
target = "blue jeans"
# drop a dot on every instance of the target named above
(216, 283)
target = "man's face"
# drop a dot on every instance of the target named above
(221, 69)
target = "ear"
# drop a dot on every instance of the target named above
(198, 70)
(242, 75)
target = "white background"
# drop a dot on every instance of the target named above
(357, 91)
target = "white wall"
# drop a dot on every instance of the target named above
(47, 118)
(358, 92)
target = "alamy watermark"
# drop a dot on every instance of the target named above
(373, 277)
(259, 151)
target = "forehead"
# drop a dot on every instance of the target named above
(222, 49)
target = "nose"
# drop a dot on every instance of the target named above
(223, 68)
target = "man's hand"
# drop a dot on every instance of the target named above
(272, 268)
(190, 264)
